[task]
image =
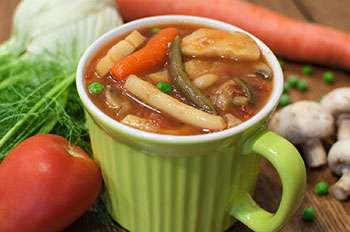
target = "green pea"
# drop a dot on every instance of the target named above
(155, 30)
(308, 69)
(165, 87)
(286, 88)
(284, 100)
(321, 188)
(309, 214)
(293, 80)
(96, 88)
(302, 85)
(281, 63)
(328, 77)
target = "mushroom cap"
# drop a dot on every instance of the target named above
(337, 101)
(339, 156)
(301, 121)
(263, 69)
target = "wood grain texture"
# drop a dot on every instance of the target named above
(281, 6)
(6, 11)
(330, 13)
(332, 215)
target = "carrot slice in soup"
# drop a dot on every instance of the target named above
(150, 56)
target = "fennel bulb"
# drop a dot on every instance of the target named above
(37, 67)
(63, 27)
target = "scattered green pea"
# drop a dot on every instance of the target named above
(293, 80)
(309, 214)
(281, 63)
(328, 77)
(155, 30)
(302, 85)
(165, 87)
(308, 69)
(284, 100)
(321, 188)
(95, 88)
(285, 88)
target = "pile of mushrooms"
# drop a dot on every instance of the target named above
(305, 123)
(337, 102)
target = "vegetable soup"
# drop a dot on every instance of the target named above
(180, 79)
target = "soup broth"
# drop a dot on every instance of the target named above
(236, 86)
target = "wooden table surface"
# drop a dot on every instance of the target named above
(332, 215)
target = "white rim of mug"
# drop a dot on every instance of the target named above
(158, 20)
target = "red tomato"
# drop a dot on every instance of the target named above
(46, 184)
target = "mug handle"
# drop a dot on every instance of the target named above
(291, 169)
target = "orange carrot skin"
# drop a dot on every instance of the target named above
(287, 37)
(150, 56)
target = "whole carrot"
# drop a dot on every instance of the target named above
(287, 37)
(148, 57)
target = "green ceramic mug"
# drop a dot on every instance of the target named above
(199, 183)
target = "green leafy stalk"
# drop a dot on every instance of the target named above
(51, 121)
(39, 107)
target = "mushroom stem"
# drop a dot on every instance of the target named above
(314, 153)
(341, 189)
(343, 125)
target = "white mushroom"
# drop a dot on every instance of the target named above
(337, 102)
(339, 162)
(263, 69)
(115, 101)
(343, 126)
(112, 98)
(305, 123)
